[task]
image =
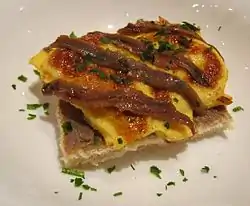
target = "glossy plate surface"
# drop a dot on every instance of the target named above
(30, 173)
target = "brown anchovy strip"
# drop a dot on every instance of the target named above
(147, 27)
(135, 70)
(161, 60)
(124, 99)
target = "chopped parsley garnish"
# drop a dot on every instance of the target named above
(67, 127)
(205, 169)
(101, 74)
(160, 32)
(33, 106)
(72, 180)
(80, 196)
(117, 194)
(148, 54)
(31, 116)
(219, 28)
(188, 26)
(159, 194)
(78, 182)
(237, 109)
(46, 106)
(22, 78)
(36, 72)
(120, 140)
(155, 171)
(171, 183)
(13, 86)
(132, 166)
(73, 172)
(21, 110)
(167, 125)
(182, 172)
(176, 100)
(105, 40)
(111, 169)
(72, 35)
(185, 179)
(165, 46)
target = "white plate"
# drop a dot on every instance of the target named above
(30, 172)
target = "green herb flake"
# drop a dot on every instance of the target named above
(159, 194)
(80, 196)
(105, 40)
(120, 140)
(175, 100)
(67, 127)
(171, 183)
(72, 35)
(117, 194)
(214, 176)
(132, 166)
(101, 74)
(185, 179)
(31, 116)
(161, 32)
(86, 187)
(165, 46)
(72, 180)
(111, 169)
(78, 182)
(93, 189)
(13, 86)
(56, 192)
(155, 171)
(219, 28)
(188, 26)
(36, 72)
(22, 78)
(33, 106)
(237, 109)
(182, 172)
(205, 169)
(21, 110)
(73, 172)
(167, 125)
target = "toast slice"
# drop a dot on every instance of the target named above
(76, 149)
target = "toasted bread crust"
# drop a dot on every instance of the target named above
(213, 121)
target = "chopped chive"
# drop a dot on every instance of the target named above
(132, 166)
(111, 169)
(86, 187)
(22, 78)
(165, 46)
(21, 110)
(188, 26)
(105, 40)
(237, 109)
(185, 179)
(182, 172)
(93, 189)
(215, 177)
(159, 194)
(80, 196)
(33, 106)
(219, 28)
(72, 35)
(67, 127)
(117, 194)
(167, 125)
(31, 116)
(205, 169)
(73, 172)
(120, 140)
(155, 171)
(46, 106)
(36, 72)
(78, 182)
(56, 192)
(13, 86)
(171, 183)
(175, 100)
